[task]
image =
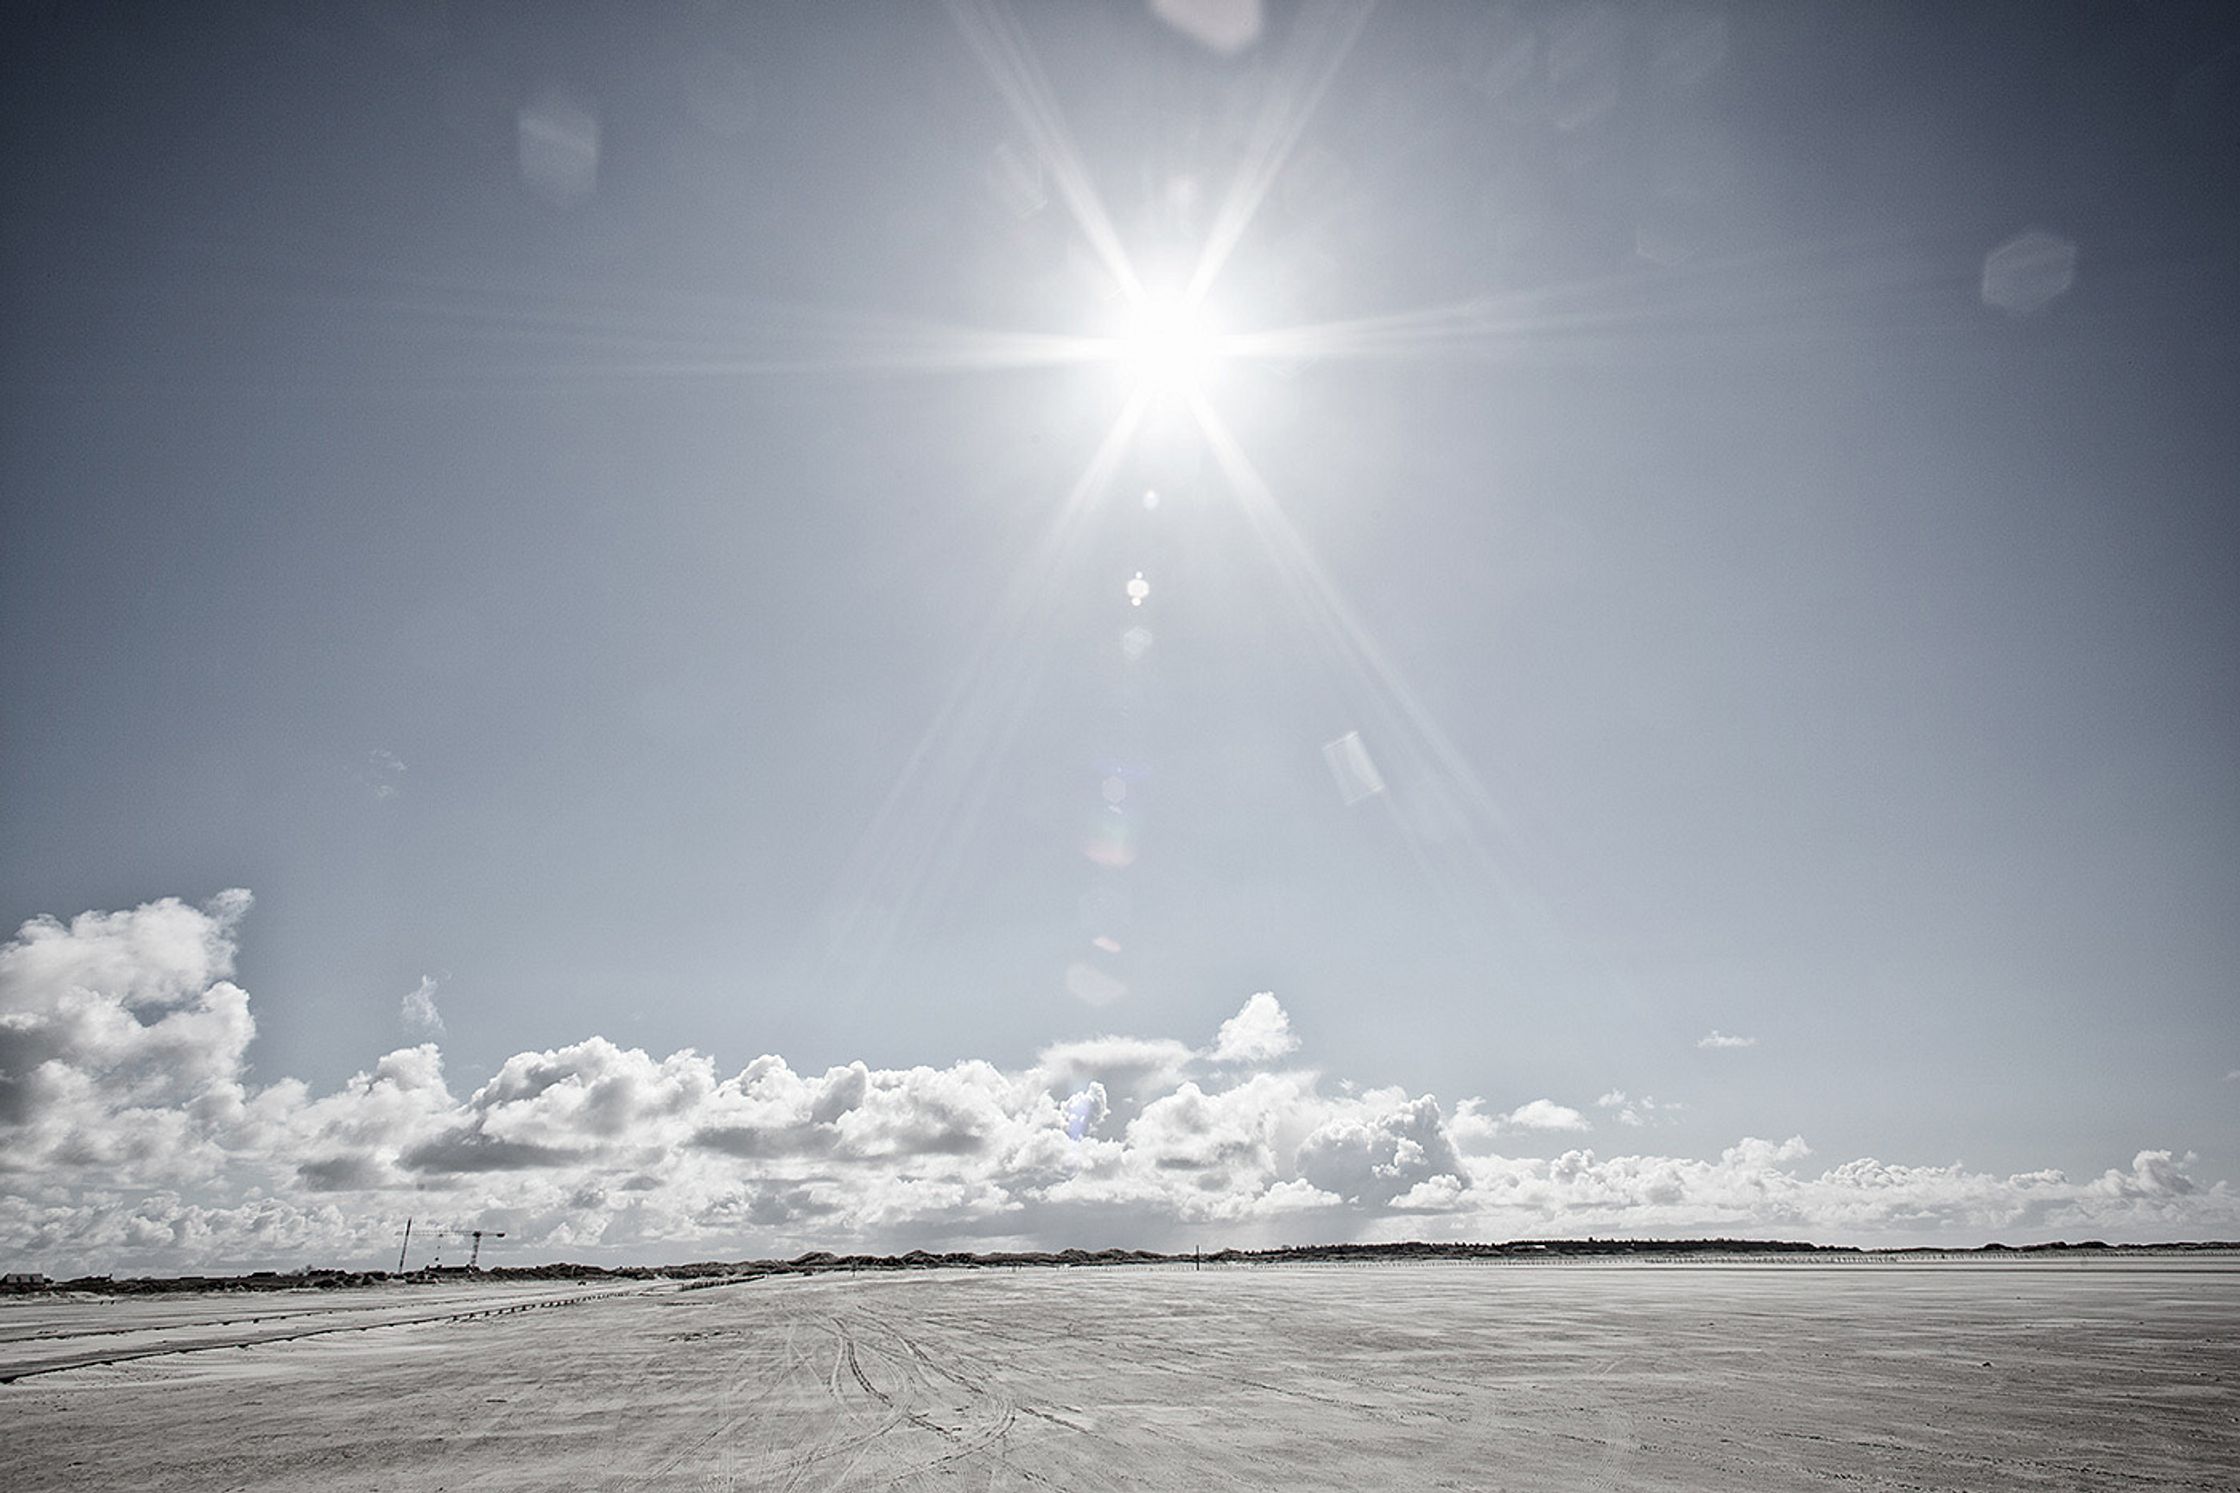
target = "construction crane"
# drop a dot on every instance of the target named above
(474, 1256)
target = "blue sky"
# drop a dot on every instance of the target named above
(613, 526)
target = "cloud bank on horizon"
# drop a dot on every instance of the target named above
(131, 1138)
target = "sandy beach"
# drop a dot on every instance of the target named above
(1961, 1376)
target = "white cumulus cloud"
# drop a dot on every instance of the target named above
(133, 1137)
(1258, 1033)
(1718, 1039)
(1477, 1127)
(1546, 1114)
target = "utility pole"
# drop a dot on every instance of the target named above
(407, 1245)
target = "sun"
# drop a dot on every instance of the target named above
(1170, 348)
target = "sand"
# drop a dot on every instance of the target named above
(1963, 1376)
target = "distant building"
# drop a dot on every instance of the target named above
(23, 1280)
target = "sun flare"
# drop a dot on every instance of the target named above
(1170, 348)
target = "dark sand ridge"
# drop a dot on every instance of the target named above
(1960, 1376)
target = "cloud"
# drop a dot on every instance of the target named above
(1476, 1128)
(1259, 1033)
(1382, 1149)
(122, 1042)
(1234, 1133)
(1472, 1127)
(1546, 1114)
(1637, 1112)
(131, 1137)
(383, 773)
(1132, 1070)
(163, 953)
(418, 1009)
(1718, 1039)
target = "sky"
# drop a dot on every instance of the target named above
(701, 631)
